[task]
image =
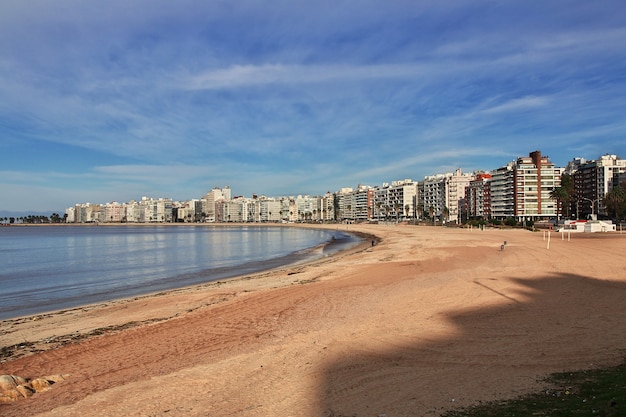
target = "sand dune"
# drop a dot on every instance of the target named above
(428, 320)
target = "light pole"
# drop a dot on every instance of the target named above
(593, 204)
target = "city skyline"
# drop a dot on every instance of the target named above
(338, 189)
(111, 102)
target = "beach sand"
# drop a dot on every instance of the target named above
(430, 319)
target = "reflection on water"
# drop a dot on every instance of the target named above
(48, 268)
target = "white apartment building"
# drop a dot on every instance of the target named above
(234, 210)
(269, 210)
(70, 215)
(455, 195)
(433, 195)
(156, 210)
(502, 192)
(443, 195)
(114, 212)
(211, 199)
(324, 208)
(344, 204)
(88, 213)
(358, 204)
(305, 206)
(396, 200)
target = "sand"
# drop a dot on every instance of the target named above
(428, 320)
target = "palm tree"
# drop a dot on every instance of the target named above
(615, 201)
(560, 195)
(446, 214)
(431, 212)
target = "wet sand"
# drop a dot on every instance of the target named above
(429, 319)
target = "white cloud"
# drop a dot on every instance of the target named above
(524, 103)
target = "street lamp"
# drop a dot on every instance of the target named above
(593, 204)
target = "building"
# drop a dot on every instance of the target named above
(478, 197)
(114, 212)
(535, 179)
(522, 189)
(592, 181)
(443, 195)
(210, 200)
(362, 200)
(455, 194)
(396, 200)
(502, 192)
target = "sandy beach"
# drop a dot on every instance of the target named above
(430, 319)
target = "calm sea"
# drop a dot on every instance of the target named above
(51, 268)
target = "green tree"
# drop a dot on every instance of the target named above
(564, 195)
(561, 196)
(615, 202)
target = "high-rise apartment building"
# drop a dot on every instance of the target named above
(592, 181)
(478, 197)
(522, 189)
(502, 192)
(396, 200)
(443, 195)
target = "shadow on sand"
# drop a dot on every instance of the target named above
(560, 322)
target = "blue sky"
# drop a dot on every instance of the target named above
(103, 101)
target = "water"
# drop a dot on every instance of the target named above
(51, 268)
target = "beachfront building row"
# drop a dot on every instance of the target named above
(522, 189)
(216, 206)
(592, 181)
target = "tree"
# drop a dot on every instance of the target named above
(396, 208)
(406, 210)
(615, 201)
(560, 195)
(564, 195)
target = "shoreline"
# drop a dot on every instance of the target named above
(209, 272)
(428, 320)
(14, 346)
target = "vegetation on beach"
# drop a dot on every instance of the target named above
(598, 392)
